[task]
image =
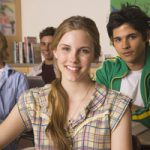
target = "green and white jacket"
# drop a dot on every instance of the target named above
(111, 73)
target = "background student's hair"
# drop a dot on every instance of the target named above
(58, 99)
(49, 31)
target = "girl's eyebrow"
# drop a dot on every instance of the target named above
(63, 44)
(85, 47)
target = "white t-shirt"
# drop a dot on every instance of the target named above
(130, 86)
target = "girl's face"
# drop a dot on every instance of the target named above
(74, 54)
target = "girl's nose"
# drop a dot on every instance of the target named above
(74, 57)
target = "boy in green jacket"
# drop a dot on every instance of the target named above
(129, 73)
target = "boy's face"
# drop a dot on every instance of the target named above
(45, 45)
(130, 46)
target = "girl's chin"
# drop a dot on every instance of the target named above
(73, 79)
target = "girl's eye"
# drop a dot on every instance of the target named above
(84, 51)
(65, 48)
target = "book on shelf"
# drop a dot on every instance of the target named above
(19, 56)
(21, 52)
(27, 51)
(36, 53)
(28, 40)
(16, 52)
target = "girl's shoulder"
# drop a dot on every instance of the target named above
(111, 96)
(36, 97)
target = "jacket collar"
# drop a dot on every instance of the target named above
(147, 60)
(122, 68)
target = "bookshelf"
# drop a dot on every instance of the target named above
(24, 68)
(18, 34)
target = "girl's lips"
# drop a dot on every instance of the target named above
(72, 68)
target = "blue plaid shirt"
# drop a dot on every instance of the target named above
(12, 84)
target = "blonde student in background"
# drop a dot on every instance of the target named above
(73, 112)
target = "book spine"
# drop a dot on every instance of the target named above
(20, 53)
(26, 50)
(16, 52)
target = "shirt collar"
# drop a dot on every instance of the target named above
(97, 99)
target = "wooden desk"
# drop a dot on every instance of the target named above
(144, 138)
(141, 132)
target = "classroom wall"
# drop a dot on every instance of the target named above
(38, 14)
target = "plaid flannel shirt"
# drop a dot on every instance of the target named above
(93, 126)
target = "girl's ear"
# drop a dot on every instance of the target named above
(55, 53)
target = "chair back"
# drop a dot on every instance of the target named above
(35, 81)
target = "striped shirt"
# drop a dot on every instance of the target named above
(93, 126)
(12, 85)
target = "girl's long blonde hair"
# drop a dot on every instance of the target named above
(58, 98)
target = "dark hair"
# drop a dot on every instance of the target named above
(58, 98)
(3, 48)
(132, 15)
(48, 31)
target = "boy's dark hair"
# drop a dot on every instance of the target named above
(132, 15)
(49, 31)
